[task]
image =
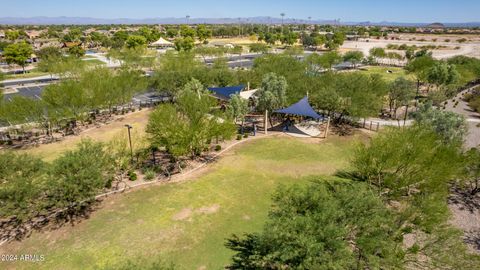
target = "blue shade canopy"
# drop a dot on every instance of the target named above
(226, 92)
(301, 108)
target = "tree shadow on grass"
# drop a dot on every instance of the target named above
(352, 175)
(16, 229)
(464, 198)
(472, 238)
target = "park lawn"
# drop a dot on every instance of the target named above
(88, 57)
(233, 40)
(396, 72)
(94, 61)
(30, 74)
(466, 74)
(186, 223)
(138, 120)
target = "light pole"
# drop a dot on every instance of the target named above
(187, 17)
(130, 140)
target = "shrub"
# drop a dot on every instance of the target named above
(245, 135)
(239, 137)
(149, 174)
(218, 147)
(132, 175)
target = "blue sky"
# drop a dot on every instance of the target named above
(346, 10)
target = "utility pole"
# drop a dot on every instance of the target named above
(130, 141)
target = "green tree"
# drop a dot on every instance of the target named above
(21, 110)
(272, 94)
(401, 91)
(353, 57)
(450, 126)
(441, 74)
(403, 162)
(132, 58)
(119, 38)
(237, 49)
(258, 48)
(294, 51)
(326, 60)
(323, 225)
(72, 185)
(203, 33)
(18, 53)
(12, 35)
(238, 108)
(22, 179)
(175, 71)
(377, 53)
(289, 38)
(172, 32)
(207, 51)
(420, 66)
(187, 31)
(412, 167)
(184, 128)
(49, 52)
(73, 35)
(184, 44)
(149, 34)
(312, 40)
(335, 41)
(471, 173)
(76, 51)
(286, 66)
(67, 98)
(135, 41)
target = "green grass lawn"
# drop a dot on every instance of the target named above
(396, 72)
(94, 61)
(30, 74)
(187, 223)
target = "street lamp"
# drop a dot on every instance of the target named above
(130, 140)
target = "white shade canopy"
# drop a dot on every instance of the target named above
(161, 42)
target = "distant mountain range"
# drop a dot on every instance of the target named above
(257, 20)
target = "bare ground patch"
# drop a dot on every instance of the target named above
(184, 214)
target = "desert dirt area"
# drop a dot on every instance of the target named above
(451, 49)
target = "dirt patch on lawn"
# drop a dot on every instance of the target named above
(208, 209)
(185, 213)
